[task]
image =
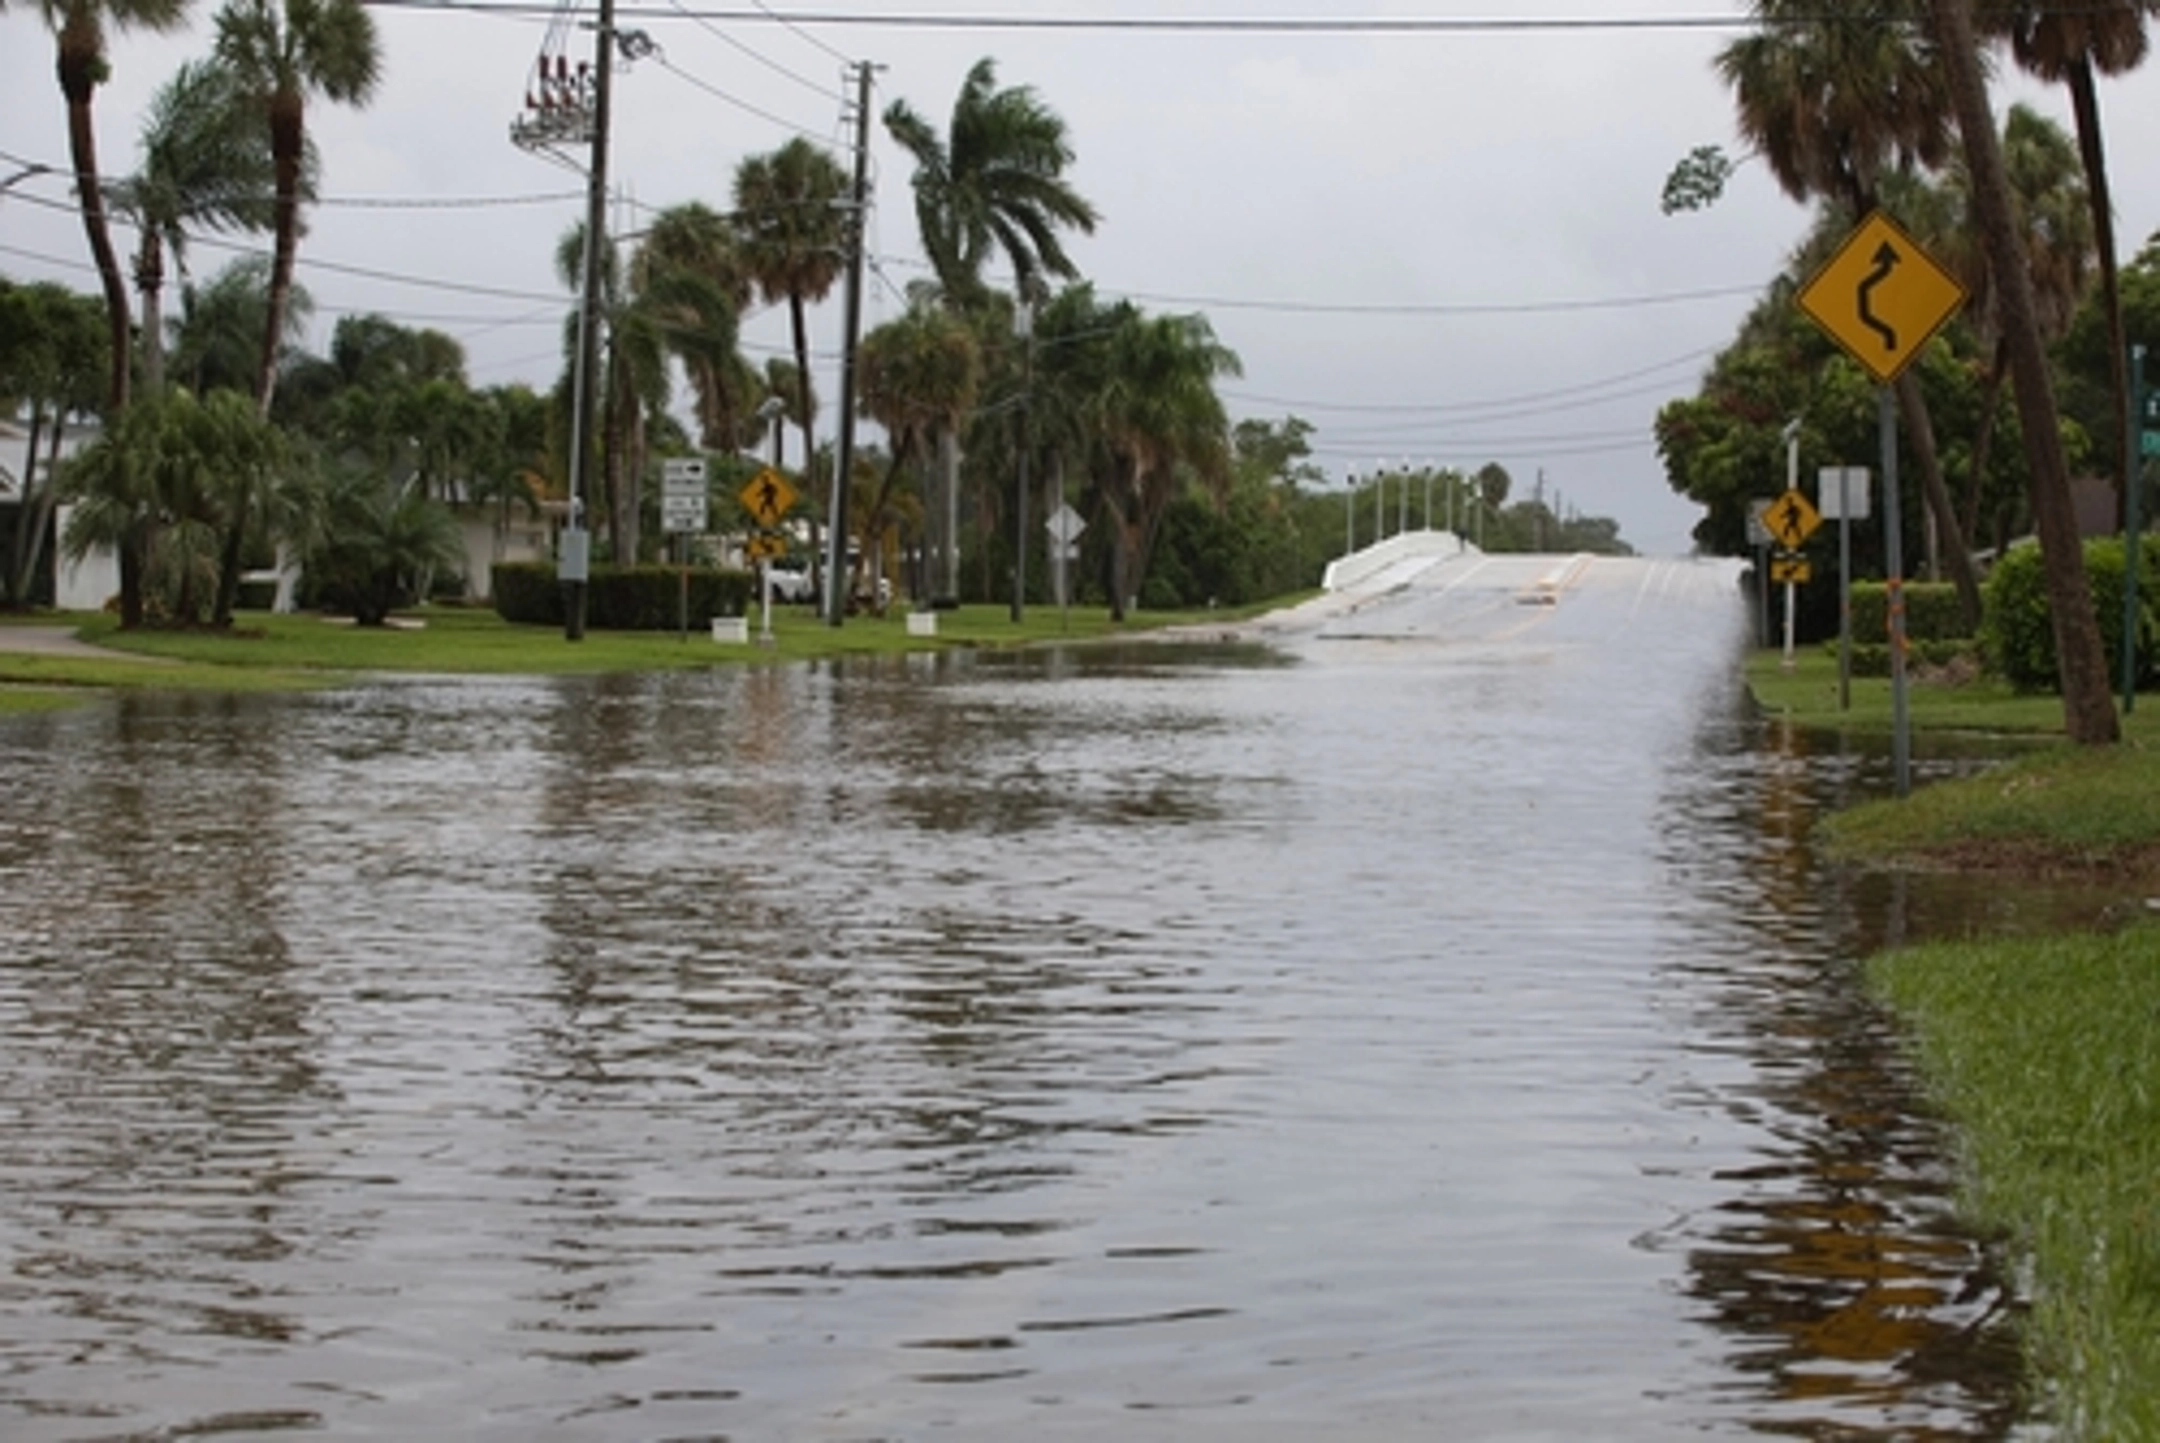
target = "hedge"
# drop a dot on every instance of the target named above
(620, 598)
(1931, 612)
(2018, 632)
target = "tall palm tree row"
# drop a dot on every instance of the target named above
(994, 184)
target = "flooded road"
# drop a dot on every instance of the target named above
(1429, 1025)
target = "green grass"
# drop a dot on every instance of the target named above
(1807, 695)
(2044, 1053)
(281, 652)
(2046, 1056)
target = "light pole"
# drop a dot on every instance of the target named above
(1349, 512)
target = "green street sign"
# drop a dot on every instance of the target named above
(2149, 444)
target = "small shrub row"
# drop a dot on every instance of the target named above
(1931, 612)
(620, 598)
(1872, 658)
(2019, 633)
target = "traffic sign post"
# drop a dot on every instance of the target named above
(1064, 526)
(683, 514)
(1844, 494)
(767, 496)
(1883, 298)
(2133, 525)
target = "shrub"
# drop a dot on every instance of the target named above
(1931, 612)
(2020, 635)
(620, 598)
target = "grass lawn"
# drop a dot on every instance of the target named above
(282, 652)
(2044, 1054)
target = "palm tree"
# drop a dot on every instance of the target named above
(1833, 100)
(919, 376)
(788, 217)
(2088, 706)
(996, 183)
(1160, 418)
(2047, 196)
(216, 339)
(690, 275)
(2070, 42)
(78, 28)
(280, 54)
(206, 163)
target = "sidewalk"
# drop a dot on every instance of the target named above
(60, 641)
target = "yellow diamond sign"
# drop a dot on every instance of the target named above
(1791, 519)
(767, 496)
(1882, 297)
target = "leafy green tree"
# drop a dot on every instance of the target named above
(79, 28)
(161, 486)
(52, 357)
(381, 542)
(281, 52)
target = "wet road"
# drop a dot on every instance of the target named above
(1429, 1024)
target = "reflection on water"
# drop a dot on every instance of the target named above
(1368, 1041)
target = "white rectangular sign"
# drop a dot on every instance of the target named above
(682, 494)
(1857, 480)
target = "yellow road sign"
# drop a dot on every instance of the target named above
(767, 496)
(1794, 570)
(1791, 519)
(765, 547)
(1881, 297)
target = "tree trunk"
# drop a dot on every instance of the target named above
(1920, 430)
(81, 66)
(1984, 441)
(2085, 101)
(288, 142)
(2088, 706)
(150, 280)
(26, 544)
(813, 504)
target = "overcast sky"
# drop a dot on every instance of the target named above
(1439, 247)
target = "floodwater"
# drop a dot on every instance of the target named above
(1432, 1024)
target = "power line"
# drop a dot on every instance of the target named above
(1185, 24)
(765, 60)
(660, 59)
(1445, 408)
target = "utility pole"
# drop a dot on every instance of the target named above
(575, 565)
(859, 196)
(1024, 323)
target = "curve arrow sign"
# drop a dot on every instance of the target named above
(1886, 262)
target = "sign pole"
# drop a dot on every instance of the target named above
(1792, 484)
(1844, 573)
(1894, 594)
(2134, 479)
